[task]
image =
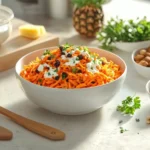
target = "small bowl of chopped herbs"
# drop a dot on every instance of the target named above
(125, 35)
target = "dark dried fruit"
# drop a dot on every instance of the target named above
(69, 55)
(57, 63)
(36, 71)
(79, 71)
(62, 53)
(57, 78)
(80, 57)
(49, 58)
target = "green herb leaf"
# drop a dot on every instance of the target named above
(46, 52)
(40, 80)
(129, 105)
(49, 73)
(64, 75)
(118, 30)
(74, 70)
(56, 70)
(122, 130)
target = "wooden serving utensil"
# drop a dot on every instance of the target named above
(5, 134)
(36, 127)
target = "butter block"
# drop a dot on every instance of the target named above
(32, 31)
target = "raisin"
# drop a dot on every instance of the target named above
(49, 58)
(79, 71)
(62, 53)
(57, 63)
(80, 57)
(69, 55)
(57, 78)
(36, 71)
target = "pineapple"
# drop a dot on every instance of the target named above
(88, 17)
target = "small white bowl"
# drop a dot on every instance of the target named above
(6, 15)
(131, 46)
(71, 101)
(143, 71)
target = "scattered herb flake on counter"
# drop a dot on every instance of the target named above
(129, 105)
(122, 130)
(121, 121)
(137, 120)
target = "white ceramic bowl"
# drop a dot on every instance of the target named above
(70, 101)
(143, 71)
(6, 15)
(131, 46)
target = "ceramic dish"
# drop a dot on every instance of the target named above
(142, 70)
(71, 101)
(131, 46)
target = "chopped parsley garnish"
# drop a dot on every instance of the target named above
(77, 58)
(46, 52)
(64, 75)
(122, 130)
(129, 105)
(74, 70)
(56, 70)
(49, 73)
(85, 48)
(40, 80)
(66, 46)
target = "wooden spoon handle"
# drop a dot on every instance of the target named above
(36, 127)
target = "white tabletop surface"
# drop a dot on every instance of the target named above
(96, 131)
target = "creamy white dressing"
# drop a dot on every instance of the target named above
(84, 53)
(72, 61)
(46, 65)
(63, 57)
(92, 67)
(40, 68)
(51, 73)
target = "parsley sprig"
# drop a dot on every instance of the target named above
(129, 105)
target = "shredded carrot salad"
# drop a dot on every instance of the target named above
(70, 67)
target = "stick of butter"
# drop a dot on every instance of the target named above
(32, 31)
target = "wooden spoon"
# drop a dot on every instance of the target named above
(36, 127)
(5, 134)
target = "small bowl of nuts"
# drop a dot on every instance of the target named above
(141, 61)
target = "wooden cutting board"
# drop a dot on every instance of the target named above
(16, 46)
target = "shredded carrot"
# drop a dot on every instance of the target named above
(70, 76)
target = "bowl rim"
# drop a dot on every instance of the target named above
(132, 57)
(8, 10)
(122, 42)
(147, 87)
(75, 89)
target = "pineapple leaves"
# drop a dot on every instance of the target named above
(82, 3)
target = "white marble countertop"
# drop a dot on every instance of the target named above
(96, 131)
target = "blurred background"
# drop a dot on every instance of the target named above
(56, 15)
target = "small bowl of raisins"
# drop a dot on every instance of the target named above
(141, 61)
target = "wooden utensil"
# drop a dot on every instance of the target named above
(36, 127)
(5, 134)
